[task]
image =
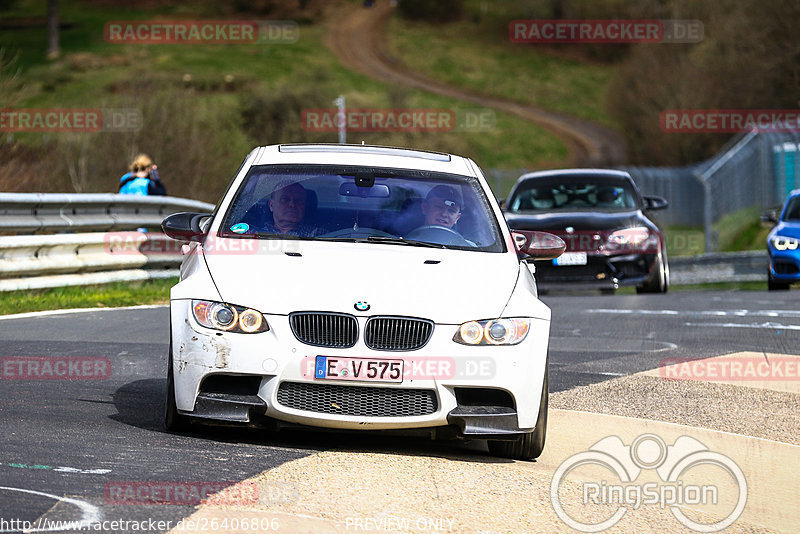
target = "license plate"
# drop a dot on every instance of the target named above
(370, 369)
(571, 258)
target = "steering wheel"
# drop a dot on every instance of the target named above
(361, 232)
(438, 234)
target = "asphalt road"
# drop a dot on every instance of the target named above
(78, 438)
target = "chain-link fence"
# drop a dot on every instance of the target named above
(752, 169)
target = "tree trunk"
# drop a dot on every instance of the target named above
(53, 50)
(557, 8)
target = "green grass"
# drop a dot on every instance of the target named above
(742, 230)
(684, 241)
(98, 296)
(480, 57)
(722, 286)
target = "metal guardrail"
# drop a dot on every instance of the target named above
(80, 239)
(748, 266)
(60, 259)
(37, 261)
(54, 212)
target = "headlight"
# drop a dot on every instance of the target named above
(227, 317)
(637, 238)
(785, 243)
(493, 332)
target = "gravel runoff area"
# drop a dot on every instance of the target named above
(363, 491)
(343, 491)
(756, 412)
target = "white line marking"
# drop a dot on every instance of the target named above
(701, 313)
(46, 313)
(91, 514)
(82, 471)
(59, 468)
(765, 326)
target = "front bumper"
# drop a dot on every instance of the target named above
(600, 272)
(784, 266)
(268, 378)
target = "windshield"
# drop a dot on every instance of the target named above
(792, 211)
(363, 204)
(574, 193)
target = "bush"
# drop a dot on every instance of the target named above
(271, 116)
(749, 59)
(196, 141)
(432, 11)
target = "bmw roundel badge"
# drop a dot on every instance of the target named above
(361, 305)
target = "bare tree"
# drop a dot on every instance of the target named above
(53, 50)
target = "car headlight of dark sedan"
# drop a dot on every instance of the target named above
(228, 317)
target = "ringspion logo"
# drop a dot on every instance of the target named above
(619, 492)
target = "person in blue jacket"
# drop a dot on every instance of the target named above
(143, 178)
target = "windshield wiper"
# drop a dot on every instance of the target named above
(277, 235)
(382, 239)
(402, 241)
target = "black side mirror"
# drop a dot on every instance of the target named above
(184, 226)
(770, 216)
(655, 203)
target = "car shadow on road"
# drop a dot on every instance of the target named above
(141, 404)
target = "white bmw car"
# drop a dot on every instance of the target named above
(360, 287)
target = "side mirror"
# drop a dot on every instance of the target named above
(538, 245)
(770, 216)
(655, 203)
(185, 226)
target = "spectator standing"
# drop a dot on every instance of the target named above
(142, 179)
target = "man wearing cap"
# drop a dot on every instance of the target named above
(442, 206)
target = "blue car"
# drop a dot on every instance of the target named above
(783, 245)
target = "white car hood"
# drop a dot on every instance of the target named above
(452, 288)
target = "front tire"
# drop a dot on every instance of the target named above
(531, 445)
(659, 284)
(173, 420)
(772, 285)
